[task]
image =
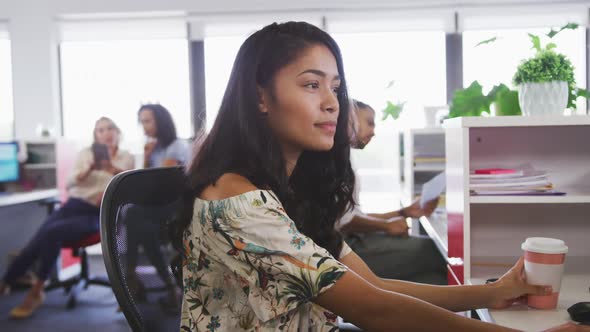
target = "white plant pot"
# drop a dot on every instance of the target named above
(543, 98)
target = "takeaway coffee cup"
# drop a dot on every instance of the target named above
(544, 259)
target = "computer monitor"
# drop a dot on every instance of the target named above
(9, 168)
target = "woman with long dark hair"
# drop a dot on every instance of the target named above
(163, 148)
(266, 186)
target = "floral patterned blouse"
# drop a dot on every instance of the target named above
(250, 269)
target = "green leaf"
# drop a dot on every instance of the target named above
(583, 93)
(329, 277)
(390, 84)
(194, 300)
(496, 90)
(506, 103)
(487, 41)
(393, 110)
(536, 42)
(195, 303)
(550, 46)
(570, 26)
(552, 33)
(469, 102)
(321, 261)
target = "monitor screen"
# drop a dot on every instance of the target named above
(8, 162)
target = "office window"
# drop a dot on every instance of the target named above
(220, 53)
(415, 61)
(495, 63)
(113, 78)
(222, 42)
(6, 108)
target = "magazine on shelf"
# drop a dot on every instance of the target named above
(522, 182)
(512, 184)
(528, 176)
(518, 193)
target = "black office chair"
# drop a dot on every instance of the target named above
(135, 212)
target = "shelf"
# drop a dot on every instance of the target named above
(574, 288)
(427, 131)
(517, 121)
(40, 166)
(567, 199)
(40, 141)
(428, 168)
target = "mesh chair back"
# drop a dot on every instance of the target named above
(135, 211)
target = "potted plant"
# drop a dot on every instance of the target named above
(546, 83)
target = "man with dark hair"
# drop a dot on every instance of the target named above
(381, 239)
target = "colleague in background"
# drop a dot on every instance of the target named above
(163, 148)
(146, 225)
(77, 218)
(382, 239)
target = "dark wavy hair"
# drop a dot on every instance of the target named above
(321, 186)
(165, 128)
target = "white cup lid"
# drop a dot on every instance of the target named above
(544, 245)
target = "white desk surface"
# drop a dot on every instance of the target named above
(26, 197)
(436, 227)
(574, 288)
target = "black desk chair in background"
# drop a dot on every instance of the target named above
(136, 208)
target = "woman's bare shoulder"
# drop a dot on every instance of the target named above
(228, 185)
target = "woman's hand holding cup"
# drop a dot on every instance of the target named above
(512, 288)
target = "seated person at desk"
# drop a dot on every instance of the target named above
(256, 232)
(163, 148)
(77, 218)
(381, 239)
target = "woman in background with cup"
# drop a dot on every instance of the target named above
(77, 218)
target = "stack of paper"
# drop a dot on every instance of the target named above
(519, 182)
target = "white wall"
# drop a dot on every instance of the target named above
(34, 37)
(34, 69)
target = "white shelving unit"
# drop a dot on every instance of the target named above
(428, 144)
(421, 156)
(485, 232)
(41, 166)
